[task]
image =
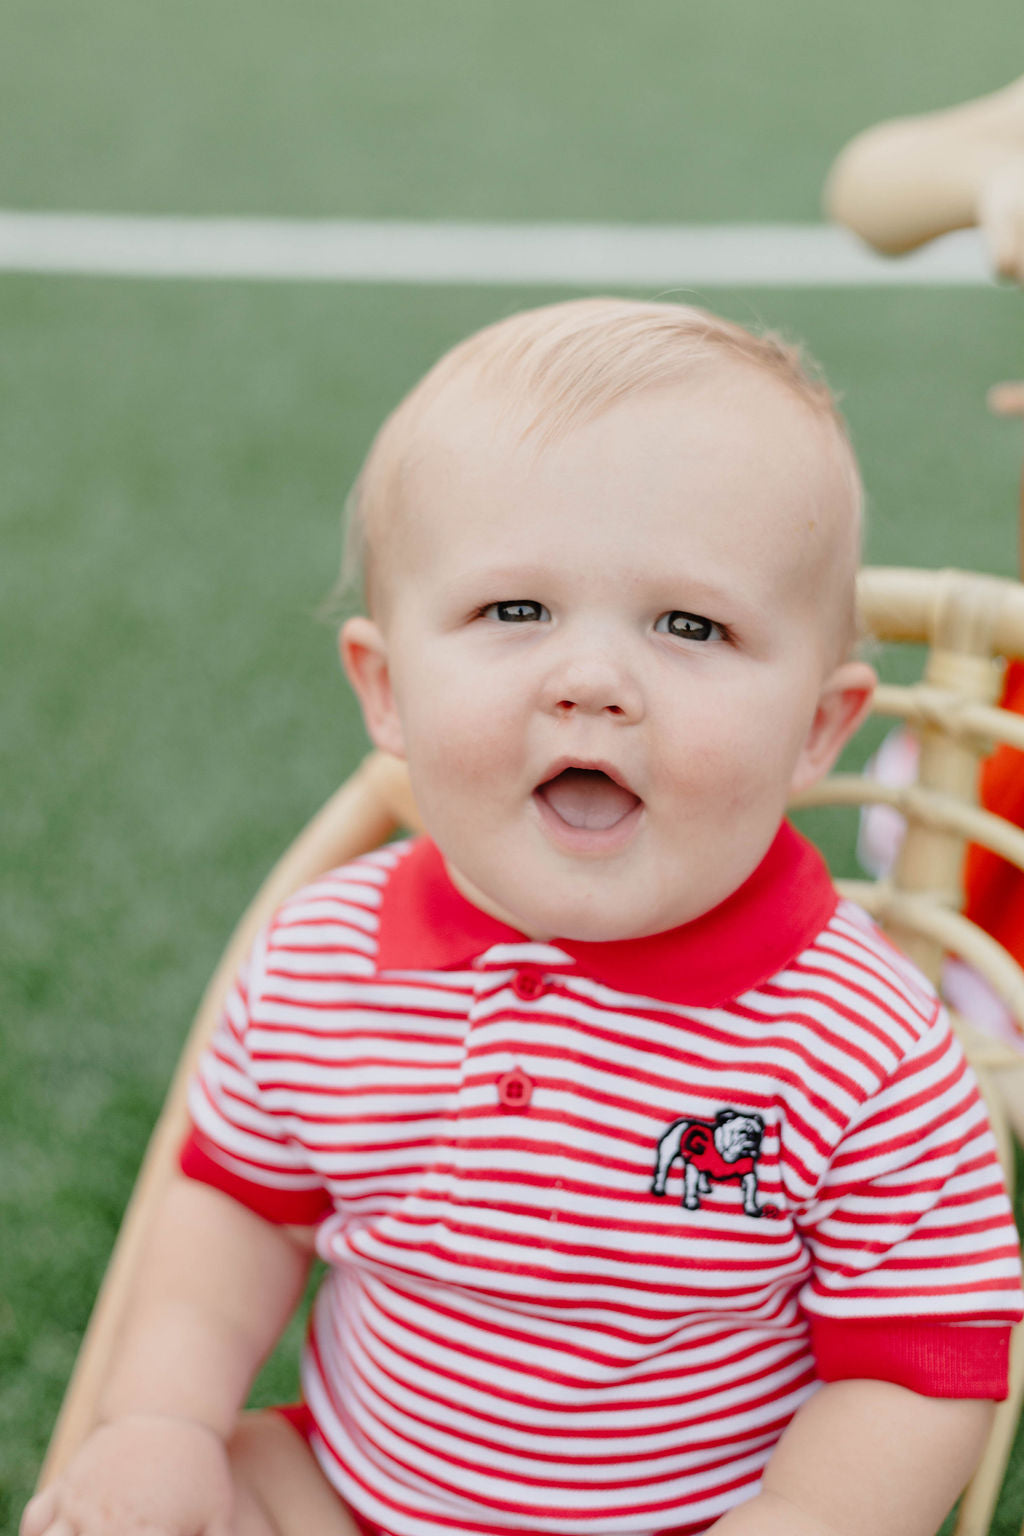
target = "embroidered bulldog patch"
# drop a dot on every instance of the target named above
(712, 1151)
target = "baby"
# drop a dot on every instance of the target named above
(653, 1190)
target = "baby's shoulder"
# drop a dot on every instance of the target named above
(335, 917)
(855, 981)
(853, 1024)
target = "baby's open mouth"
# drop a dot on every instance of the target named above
(587, 798)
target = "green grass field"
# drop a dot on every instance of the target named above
(175, 456)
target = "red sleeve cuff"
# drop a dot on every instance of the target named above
(199, 1160)
(934, 1358)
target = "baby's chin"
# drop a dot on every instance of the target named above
(558, 916)
(600, 928)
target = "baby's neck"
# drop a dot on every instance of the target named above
(473, 894)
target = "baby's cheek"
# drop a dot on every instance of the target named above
(719, 779)
(696, 752)
(451, 756)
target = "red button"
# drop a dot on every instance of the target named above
(514, 1089)
(528, 985)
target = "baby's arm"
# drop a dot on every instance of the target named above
(216, 1287)
(865, 1458)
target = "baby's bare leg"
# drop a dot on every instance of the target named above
(280, 1487)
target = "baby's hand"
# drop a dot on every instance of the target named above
(143, 1474)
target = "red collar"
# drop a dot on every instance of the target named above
(427, 925)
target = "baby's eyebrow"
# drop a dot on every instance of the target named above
(505, 580)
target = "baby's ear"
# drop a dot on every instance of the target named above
(844, 701)
(364, 655)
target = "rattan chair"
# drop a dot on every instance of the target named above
(969, 624)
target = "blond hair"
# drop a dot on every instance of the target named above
(561, 365)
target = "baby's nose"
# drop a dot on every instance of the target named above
(565, 706)
(600, 685)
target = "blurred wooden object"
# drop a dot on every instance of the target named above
(902, 183)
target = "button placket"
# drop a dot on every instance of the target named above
(515, 1088)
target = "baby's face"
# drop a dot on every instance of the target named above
(609, 661)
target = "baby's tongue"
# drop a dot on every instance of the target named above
(585, 797)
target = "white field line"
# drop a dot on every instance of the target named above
(402, 251)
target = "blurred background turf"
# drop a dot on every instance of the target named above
(175, 455)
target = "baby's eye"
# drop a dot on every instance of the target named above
(689, 626)
(521, 611)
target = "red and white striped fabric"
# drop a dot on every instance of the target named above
(599, 1216)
